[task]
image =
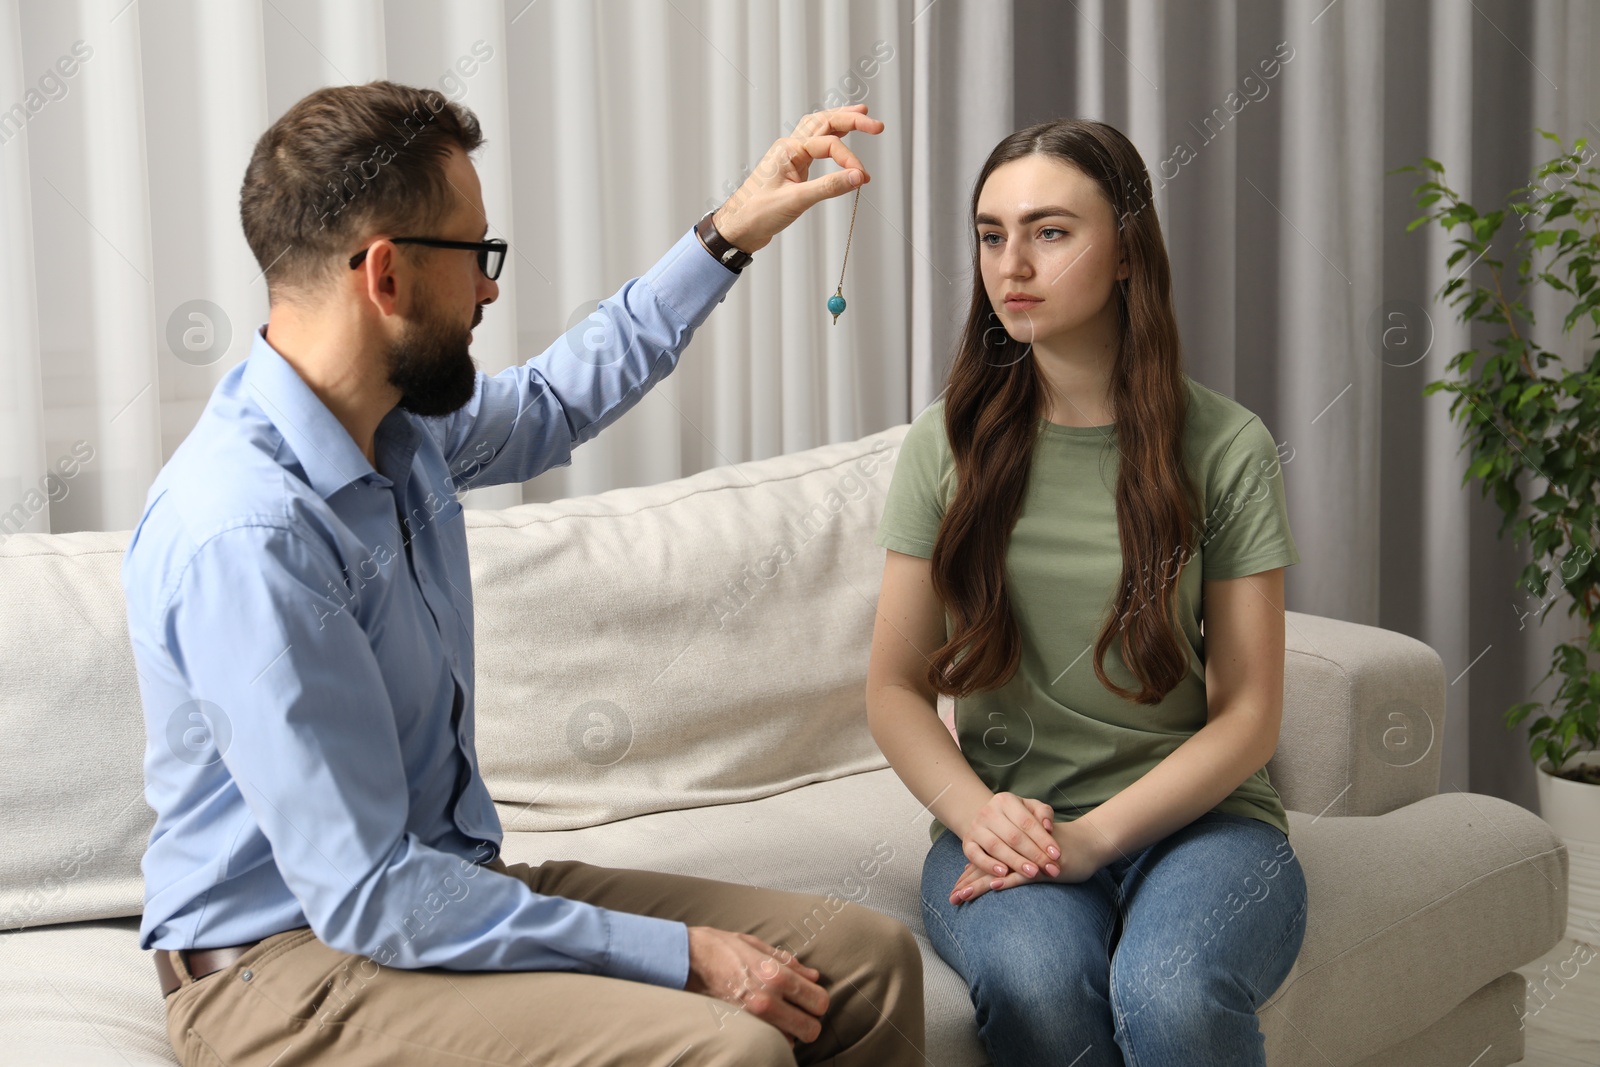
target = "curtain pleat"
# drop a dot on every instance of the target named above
(25, 488)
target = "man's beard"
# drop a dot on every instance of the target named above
(430, 364)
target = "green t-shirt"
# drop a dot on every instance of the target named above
(1053, 732)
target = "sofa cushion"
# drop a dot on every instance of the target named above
(701, 641)
(71, 768)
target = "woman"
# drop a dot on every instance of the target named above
(1110, 871)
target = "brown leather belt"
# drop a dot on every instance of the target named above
(200, 962)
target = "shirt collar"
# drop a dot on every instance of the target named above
(324, 448)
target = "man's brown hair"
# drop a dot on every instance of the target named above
(343, 162)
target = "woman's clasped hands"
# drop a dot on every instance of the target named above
(1013, 840)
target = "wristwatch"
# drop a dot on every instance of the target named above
(718, 245)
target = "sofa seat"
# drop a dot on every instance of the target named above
(1387, 894)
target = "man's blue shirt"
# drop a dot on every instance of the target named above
(307, 675)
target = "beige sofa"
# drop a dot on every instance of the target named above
(672, 677)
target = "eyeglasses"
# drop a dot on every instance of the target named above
(491, 254)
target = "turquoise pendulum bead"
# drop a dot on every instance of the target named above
(836, 301)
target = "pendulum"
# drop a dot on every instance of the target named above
(836, 301)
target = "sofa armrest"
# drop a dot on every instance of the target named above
(1363, 718)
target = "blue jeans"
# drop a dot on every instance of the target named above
(1160, 958)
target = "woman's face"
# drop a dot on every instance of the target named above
(1046, 236)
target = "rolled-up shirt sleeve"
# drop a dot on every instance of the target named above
(528, 418)
(315, 753)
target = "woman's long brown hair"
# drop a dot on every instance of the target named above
(994, 399)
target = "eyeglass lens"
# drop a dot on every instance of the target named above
(491, 260)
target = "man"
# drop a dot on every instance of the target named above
(323, 881)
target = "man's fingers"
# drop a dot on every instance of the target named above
(803, 992)
(811, 974)
(781, 955)
(795, 965)
(817, 190)
(783, 973)
(791, 1002)
(818, 121)
(797, 988)
(831, 148)
(788, 1019)
(778, 191)
(838, 120)
(829, 185)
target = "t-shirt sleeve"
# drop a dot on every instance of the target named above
(1247, 516)
(915, 503)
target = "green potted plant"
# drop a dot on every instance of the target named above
(1525, 424)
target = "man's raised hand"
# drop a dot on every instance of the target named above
(779, 190)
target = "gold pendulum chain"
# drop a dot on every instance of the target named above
(836, 301)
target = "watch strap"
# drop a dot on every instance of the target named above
(732, 258)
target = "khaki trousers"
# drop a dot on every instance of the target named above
(292, 1000)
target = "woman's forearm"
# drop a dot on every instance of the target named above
(1190, 781)
(919, 747)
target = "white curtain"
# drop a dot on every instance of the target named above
(1288, 235)
(611, 126)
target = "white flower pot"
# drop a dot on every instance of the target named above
(1573, 810)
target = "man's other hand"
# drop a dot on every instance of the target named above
(750, 974)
